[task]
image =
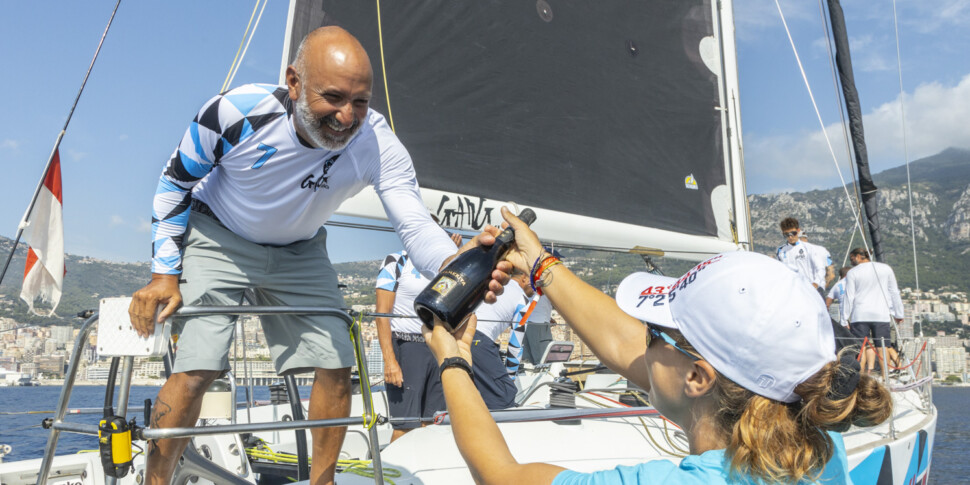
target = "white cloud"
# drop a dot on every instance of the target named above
(116, 220)
(752, 17)
(11, 144)
(926, 17)
(935, 120)
(143, 226)
(123, 137)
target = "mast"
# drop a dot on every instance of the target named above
(867, 189)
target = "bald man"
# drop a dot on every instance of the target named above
(241, 206)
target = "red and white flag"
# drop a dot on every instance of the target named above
(44, 271)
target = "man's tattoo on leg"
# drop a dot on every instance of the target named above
(159, 411)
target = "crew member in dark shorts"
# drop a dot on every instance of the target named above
(411, 376)
(490, 373)
(871, 299)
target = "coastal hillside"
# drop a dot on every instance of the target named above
(941, 219)
(941, 197)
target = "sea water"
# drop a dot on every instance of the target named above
(28, 439)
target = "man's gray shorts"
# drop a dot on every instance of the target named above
(219, 266)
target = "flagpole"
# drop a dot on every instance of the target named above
(57, 145)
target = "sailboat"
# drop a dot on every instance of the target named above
(633, 108)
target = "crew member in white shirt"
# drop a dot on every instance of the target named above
(801, 257)
(837, 295)
(824, 255)
(242, 202)
(871, 299)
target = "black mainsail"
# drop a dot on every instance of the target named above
(618, 117)
(867, 189)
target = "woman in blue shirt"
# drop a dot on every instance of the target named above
(738, 352)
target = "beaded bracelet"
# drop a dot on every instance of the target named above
(535, 265)
(537, 268)
(542, 269)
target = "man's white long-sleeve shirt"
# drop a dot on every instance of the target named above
(805, 259)
(242, 157)
(871, 294)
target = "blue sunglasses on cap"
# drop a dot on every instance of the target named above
(655, 333)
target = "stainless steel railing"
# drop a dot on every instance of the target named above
(57, 424)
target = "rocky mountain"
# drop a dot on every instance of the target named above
(941, 219)
(86, 282)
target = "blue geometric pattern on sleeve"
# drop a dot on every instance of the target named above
(245, 102)
(513, 352)
(194, 131)
(222, 123)
(387, 278)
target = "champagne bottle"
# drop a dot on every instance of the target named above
(460, 287)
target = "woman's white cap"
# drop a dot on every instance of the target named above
(754, 320)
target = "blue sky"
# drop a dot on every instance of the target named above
(162, 60)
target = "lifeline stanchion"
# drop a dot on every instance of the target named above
(64, 399)
(885, 379)
(370, 418)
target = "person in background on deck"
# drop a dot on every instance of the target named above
(492, 376)
(529, 339)
(770, 414)
(287, 157)
(824, 255)
(801, 257)
(837, 295)
(410, 372)
(515, 351)
(871, 299)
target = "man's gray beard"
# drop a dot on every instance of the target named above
(312, 125)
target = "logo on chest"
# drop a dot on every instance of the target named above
(313, 182)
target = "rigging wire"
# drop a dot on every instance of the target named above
(909, 182)
(609, 278)
(835, 87)
(241, 42)
(902, 121)
(848, 250)
(828, 142)
(840, 103)
(380, 42)
(243, 56)
(57, 144)
(856, 215)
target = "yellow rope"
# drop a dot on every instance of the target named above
(362, 371)
(241, 43)
(380, 40)
(357, 467)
